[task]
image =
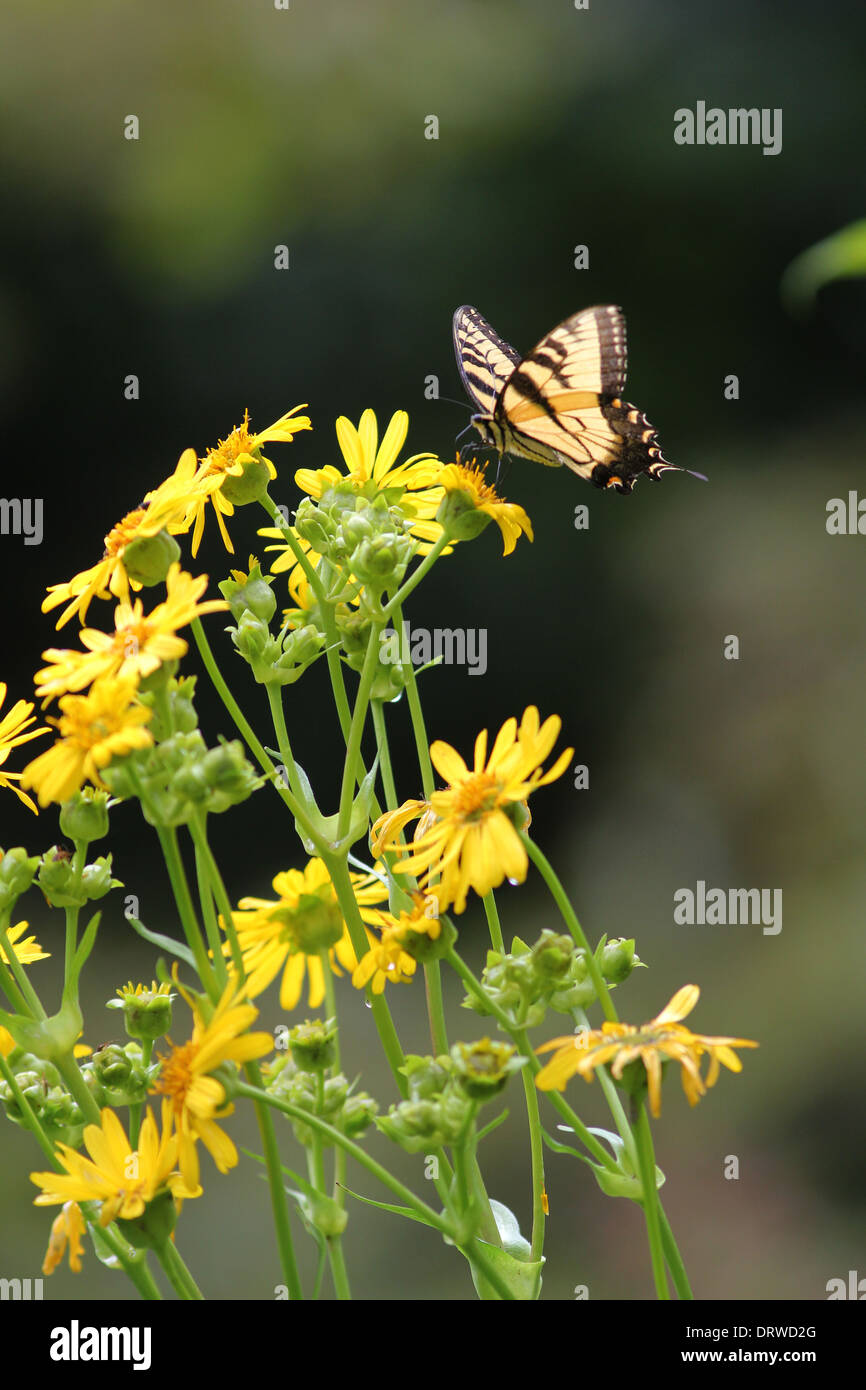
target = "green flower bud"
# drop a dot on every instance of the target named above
(618, 960)
(250, 486)
(313, 1044)
(552, 955)
(427, 1076)
(17, 871)
(85, 817)
(314, 525)
(96, 879)
(121, 1073)
(460, 518)
(358, 1114)
(250, 592)
(148, 559)
(252, 636)
(56, 878)
(483, 1068)
(146, 1012)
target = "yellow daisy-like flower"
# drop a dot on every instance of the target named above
(466, 838)
(197, 1098)
(290, 933)
(123, 1179)
(68, 1228)
(664, 1037)
(139, 644)
(168, 507)
(12, 735)
(229, 459)
(368, 461)
(25, 952)
(387, 959)
(94, 728)
(467, 482)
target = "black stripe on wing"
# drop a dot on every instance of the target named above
(485, 360)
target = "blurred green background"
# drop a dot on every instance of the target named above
(306, 128)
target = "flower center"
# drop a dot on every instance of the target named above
(176, 1075)
(124, 532)
(477, 796)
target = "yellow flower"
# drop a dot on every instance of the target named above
(168, 507)
(465, 484)
(368, 461)
(294, 930)
(466, 838)
(67, 1229)
(650, 1044)
(197, 1098)
(139, 643)
(12, 734)
(387, 959)
(94, 728)
(25, 952)
(229, 459)
(7, 1042)
(123, 1179)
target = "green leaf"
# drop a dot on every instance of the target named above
(174, 948)
(508, 1227)
(521, 1277)
(841, 256)
(390, 1206)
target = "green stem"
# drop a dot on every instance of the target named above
(359, 718)
(674, 1259)
(278, 715)
(246, 732)
(646, 1161)
(204, 853)
(339, 874)
(77, 1086)
(536, 1149)
(415, 578)
(279, 1199)
(570, 918)
(135, 1111)
(417, 716)
(493, 923)
(206, 898)
(178, 1275)
(180, 888)
(339, 1272)
(27, 999)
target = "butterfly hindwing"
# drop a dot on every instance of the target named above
(562, 403)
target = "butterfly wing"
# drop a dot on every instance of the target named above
(484, 360)
(563, 404)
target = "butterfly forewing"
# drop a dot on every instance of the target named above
(484, 359)
(562, 403)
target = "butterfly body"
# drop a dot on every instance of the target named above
(561, 405)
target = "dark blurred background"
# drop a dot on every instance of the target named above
(156, 257)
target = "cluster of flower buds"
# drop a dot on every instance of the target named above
(118, 1074)
(64, 887)
(279, 660)
(444, 1091)
(551, 974)
(181, 776)
(359, 533)
(174, 703)
(17, 872)
(300, 1079)
(43, 1091)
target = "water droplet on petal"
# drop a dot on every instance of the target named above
(514, 882)
(368, 1004)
